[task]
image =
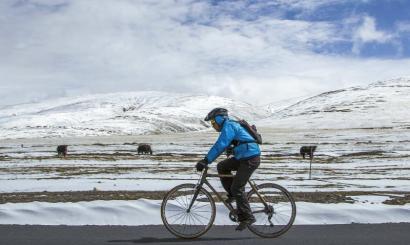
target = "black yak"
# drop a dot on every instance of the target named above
(62, 150)
(309, 150)
(144, 149)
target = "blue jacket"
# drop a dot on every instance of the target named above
(231, 130)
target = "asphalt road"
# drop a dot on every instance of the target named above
(374, 234)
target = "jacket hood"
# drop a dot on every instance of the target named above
(220, 119)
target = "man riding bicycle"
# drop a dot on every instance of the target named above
(245, 160)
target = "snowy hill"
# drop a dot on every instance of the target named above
(381, 104)
(282, 104)
(116, 114)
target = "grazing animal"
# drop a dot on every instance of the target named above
(62, 150)
(309, 150)
(144, 149)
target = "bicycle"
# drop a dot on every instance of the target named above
(188, 210)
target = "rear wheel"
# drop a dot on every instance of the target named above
(275, 218)
(186, 223)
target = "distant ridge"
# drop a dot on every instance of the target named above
(131, 113)
(380, 104)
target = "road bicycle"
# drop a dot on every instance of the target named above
(188, 210)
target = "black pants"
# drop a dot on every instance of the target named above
(236, 186)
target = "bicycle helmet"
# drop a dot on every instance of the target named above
(216, 112)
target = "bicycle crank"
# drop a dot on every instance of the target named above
(270, 212)
(233, 216)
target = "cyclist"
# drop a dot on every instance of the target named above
(245, 160)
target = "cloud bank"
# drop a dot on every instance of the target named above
(244, 50)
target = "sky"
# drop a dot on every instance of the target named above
(256, 51)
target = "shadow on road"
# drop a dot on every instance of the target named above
(179, 240)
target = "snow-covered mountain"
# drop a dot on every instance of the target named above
(282, 104)
(129, 113)
(380, 104)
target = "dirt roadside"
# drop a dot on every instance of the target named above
(394, 198)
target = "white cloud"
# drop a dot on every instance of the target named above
(308, 7)
(367, 32)
(308, 4)
(403, 27)
(185, 46)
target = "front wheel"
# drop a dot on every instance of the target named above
(276, 215)
(185, 222)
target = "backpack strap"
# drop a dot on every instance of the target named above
(236, 143)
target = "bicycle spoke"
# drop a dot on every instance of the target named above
(183, 200)
(194, 221)
(279, 211)
(196, 203)
(182, 205)
(265, 226)
(180, 217)
(187, 224)
(194, 217)
(202, 220)
(184, 224)
(200, 207)
(198, 216)
(200, 195)
(201, 216)
(283, 205)
(188, 201)
(275, 217)
(282, 218)
(176, 215)
(177, 218)
(189, 219)
(205, 211)
(175, 210)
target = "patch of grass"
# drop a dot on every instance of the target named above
(77, 196)
(395, 200)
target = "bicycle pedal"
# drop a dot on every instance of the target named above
(230, 200)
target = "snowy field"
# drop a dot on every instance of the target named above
(346, 160)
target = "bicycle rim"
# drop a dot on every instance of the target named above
(278, 216)
(185, 224)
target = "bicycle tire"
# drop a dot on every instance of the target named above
(273, 201)
(172, 228)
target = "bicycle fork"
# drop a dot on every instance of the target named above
(196, 193)
(198, 188)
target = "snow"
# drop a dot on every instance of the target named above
(362, 135)
(335, 167)
(381, 104)
(132, 113)
(147, 212)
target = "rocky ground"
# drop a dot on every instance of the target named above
(396, 198)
